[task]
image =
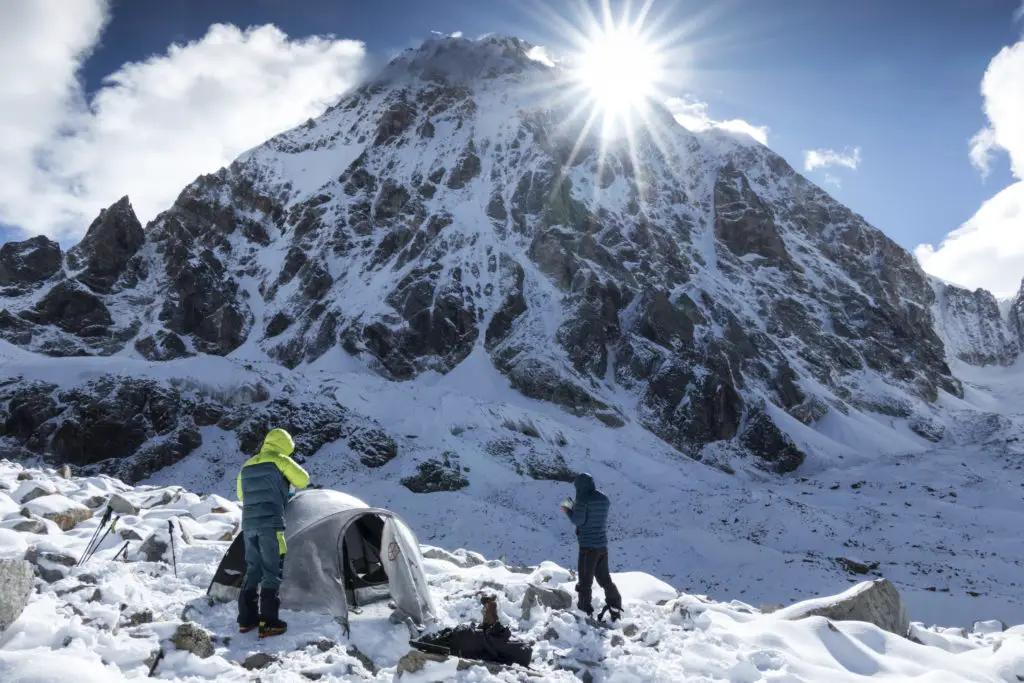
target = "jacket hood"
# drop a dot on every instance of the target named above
(584, 484)
(278, 441)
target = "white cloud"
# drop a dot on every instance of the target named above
(826, 158)
(988, 250)
(693, 115)
(154, 125)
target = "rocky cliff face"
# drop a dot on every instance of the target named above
(975, 328)
(692, 282)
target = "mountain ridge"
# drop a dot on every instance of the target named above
(692, 282)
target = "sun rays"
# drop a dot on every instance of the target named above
(616, 70)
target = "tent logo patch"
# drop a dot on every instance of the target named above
(394, 551)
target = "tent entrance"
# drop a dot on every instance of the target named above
(364, 577)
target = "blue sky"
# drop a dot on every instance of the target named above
(897, 80)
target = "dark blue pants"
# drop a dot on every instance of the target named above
(264, 559)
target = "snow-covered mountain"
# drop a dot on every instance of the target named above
(446, 285)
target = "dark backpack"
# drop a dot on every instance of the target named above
(492, 643)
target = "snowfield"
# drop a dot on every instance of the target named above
(115, 620)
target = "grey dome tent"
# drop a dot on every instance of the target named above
(341, 552)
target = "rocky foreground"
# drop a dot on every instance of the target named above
(138, 608)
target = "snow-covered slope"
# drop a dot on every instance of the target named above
(113, 620)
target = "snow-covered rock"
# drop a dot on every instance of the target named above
(33, 488)
(65, 512)
(121, 505)
(115, 621)
(875, 602)
(15, 577)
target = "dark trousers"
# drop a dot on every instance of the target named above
(593, 564)
(264, 560)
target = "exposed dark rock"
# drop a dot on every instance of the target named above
(467, 169)
(103, 254)
(30, 262)
(312, 425)
(162, 346)
(433, 476)
(765, 440)
(375, 448)
(73, 309)
(743, 223)
(278, 324)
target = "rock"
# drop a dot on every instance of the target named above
(988, 627)
(875, 602)
(191, 638)
(414, 661)
(353, 651)
(29, 262)
(15, 583)
(32, 489)
(259, 660)
(65, 471)
(375, 448)
(139, 618)
(155, 548)
(552, 598)
(110, 242)
(460, 558)
(437, 475)
(121, 505)
(24, 476)
(65, 512)
(73, 309)
(50, 565)
(30, 525)
(163, 345)
(856, 566)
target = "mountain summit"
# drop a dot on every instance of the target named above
(691, 282)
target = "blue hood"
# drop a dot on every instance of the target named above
(584, 485)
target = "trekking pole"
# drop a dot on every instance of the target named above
(95, 534)
(122, 551)
(174, 559)
(113, 525)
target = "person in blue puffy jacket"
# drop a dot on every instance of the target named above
(264, 488)
(589, 512)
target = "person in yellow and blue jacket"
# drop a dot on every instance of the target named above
(263, 488)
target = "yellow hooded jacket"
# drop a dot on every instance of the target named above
(263, 484)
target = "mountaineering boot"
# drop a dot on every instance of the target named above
(248, 611)
(614, 614)
(270, 623)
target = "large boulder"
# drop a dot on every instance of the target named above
(15, 577)
(544, 596)
(875, 602)
(59, 509)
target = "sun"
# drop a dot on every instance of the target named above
(619, 69)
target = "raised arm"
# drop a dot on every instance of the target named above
(293, 472)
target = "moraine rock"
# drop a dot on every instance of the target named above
(543, 596)
(15, 578)
(876, 602)
(192, 638)
(121, 505)
(59, 509)
(32, 489)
